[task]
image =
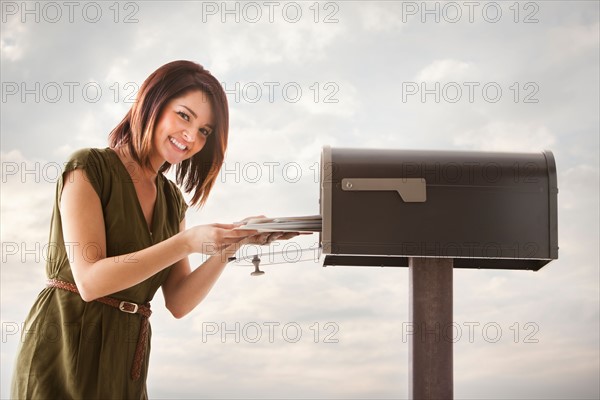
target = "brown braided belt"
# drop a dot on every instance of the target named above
(126, 307)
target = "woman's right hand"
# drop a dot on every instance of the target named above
(212, 238)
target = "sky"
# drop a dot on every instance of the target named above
(475, 76)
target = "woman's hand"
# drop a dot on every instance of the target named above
(210, 239)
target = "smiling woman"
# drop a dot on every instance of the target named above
(118, 234)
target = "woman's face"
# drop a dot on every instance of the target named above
(183, 127)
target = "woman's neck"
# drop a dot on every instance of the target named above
(137, 172)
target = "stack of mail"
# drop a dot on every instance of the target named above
(311, 223)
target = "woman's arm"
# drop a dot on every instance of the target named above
(184, 290)
(84, 230)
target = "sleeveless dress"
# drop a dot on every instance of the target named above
(71, 349)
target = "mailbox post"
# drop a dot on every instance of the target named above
(430, 313)
(433, 211)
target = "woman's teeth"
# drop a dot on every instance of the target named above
(177, 144)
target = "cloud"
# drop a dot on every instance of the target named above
(445, 70)
(507, 136)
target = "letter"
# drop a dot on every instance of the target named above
(471, 85)
(435, 12)
(35, 91)
(498, 332)
(408, 328)
(298, 252)
(447, 172)
(235, 331)
(296, 338)
(456, 87)
(258, 332)
(208, 8)
(498, 12)
(298, 169)
(435, 91)
(271, 326)
(57, 12)
(56, 87)
(84, 91)
(271, 6)
(458, 12)
(258, 92)
(235, 171)
(98, 11)
(8, 8)
(209, 329)
(426, 331)
(71, 86)
(9, 329)
(35, 172)
(74, 4)
(409, 88)
(9, 89)
(25, 11)
(235, 92)
(9, 168)
(471, 326)
(270, 165)
(257, 175)
(408, 8)
(235, 12)
(285, 92)
(285, 13)
(484, 92)
(451, 337)
(9, 249)
(271, 85)
(258, 12)
(57, 172)
(471, 6)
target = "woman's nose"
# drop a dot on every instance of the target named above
(188, 136)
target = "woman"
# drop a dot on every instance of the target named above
(118, 234)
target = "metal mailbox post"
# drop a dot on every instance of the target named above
(433, 211)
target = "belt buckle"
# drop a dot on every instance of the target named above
(124, 306)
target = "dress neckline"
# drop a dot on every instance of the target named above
(149, 228)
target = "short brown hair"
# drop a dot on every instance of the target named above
(136, 130)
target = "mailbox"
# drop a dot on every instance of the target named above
(482, 209)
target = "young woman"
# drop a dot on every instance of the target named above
(118, 234)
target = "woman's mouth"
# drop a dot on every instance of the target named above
(180, 146)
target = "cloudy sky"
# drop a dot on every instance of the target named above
(508, 76)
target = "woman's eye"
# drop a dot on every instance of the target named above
(183, 115)
(205, 132)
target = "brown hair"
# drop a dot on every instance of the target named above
(136, 130)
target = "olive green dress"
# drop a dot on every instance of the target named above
(71, 349)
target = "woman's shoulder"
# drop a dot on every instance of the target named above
(90, 152)
(92, 157)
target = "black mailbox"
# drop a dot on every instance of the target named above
(483, 209)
